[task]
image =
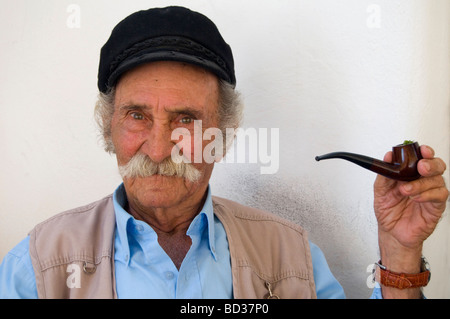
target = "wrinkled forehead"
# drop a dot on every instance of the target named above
(169, 85)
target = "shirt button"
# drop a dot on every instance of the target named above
(169, 275)
(139, 228)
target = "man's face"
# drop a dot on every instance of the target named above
(151, 101)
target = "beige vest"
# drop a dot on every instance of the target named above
(73, 253)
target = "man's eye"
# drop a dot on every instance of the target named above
(186, 120)
(137, 116)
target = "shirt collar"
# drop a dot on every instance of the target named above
(124, 220)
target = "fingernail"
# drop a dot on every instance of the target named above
(426, 166)
(408, 187)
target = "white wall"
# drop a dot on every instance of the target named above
(350, 75)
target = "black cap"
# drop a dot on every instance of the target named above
(164, 34)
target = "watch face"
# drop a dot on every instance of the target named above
(426, 267)
(425, 264)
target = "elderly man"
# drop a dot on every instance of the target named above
(162, 234)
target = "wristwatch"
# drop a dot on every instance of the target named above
(402, 281)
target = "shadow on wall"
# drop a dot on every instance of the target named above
(345, 243)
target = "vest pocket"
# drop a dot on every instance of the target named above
(249, 284)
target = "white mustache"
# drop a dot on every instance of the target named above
(142, 166)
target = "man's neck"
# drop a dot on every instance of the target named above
(170, 224)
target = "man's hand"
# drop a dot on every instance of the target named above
(407, 213)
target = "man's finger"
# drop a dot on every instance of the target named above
(435, 195)
(431, 167)
(419, 186)
(427, 151)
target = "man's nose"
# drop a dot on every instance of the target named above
(158, 145)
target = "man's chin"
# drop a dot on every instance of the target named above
(158, 191)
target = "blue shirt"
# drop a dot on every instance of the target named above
(144, 270)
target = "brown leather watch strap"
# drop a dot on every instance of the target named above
(402, 281)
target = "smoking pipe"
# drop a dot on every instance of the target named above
(403, 167)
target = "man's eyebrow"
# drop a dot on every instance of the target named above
(187, 110)
(132, 107)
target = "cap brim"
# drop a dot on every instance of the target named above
(165, 55)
